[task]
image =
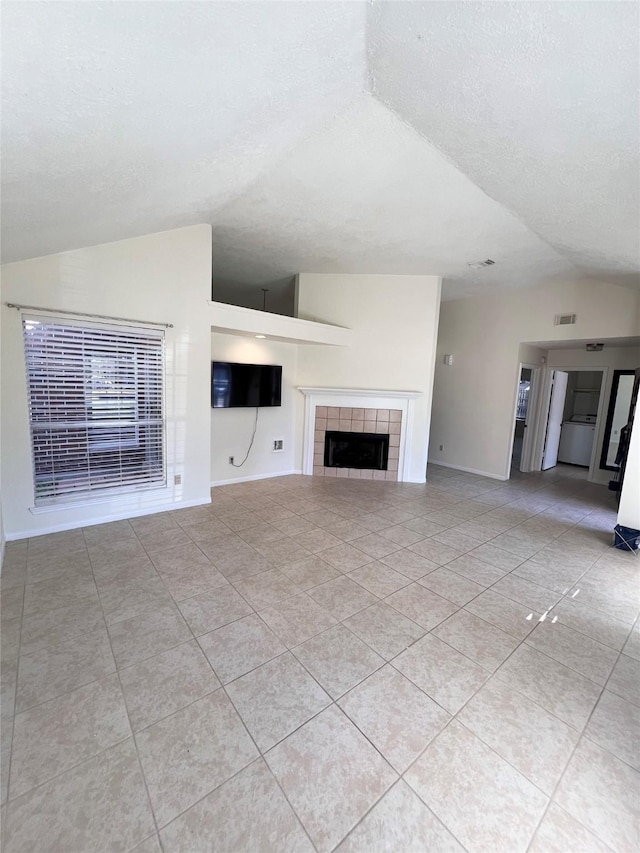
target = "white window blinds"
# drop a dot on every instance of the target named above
(95, 407)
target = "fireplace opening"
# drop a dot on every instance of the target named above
(356, 450)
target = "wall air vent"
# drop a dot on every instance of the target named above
(478, 265)
(565, 319)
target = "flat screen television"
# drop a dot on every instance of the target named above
(245, 385)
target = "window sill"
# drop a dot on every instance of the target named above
(163, 491)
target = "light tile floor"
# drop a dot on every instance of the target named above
(328, 664)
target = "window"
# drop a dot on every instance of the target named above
(523, 399)
(95, 408)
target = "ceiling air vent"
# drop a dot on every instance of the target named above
(565, 319)
(478, 265)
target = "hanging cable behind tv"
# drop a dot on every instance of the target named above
(255, 427)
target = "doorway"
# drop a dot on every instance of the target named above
(557, 399)
(528, 388)
(571, 410)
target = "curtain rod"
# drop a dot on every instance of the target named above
(82, 314)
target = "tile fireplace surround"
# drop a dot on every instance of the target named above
(358, 410)
(349, 419)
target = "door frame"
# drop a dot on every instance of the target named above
(543, 412)
(557, 404)
(526, 457)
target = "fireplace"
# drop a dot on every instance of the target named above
(365, 450)
(357, 442)
(380, 414)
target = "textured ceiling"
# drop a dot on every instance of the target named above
(354, 137)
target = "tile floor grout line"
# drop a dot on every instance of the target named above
(66, 692)
(453, 719)
(552, 802)
(585, 735)
(15, 688)
(258, 758)
(566, 767)
(334, 703)
(261, 756)
(90, 758)
(490, 675)
(402, 781)
(68, 769)
(430, 630)
(576, 524)
(134, 733)
(581, 733)
(602, 692)
(562, 596)
(126, 708)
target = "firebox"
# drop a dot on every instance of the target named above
(356, 450)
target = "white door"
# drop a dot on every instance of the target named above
(554, 422)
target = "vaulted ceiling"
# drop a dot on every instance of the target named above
(399, 137)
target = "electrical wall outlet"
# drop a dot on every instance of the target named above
(231, 460)
(177, 480)
(442, 447)
(278, 444)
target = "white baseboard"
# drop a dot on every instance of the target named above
(287, 474)
(468, 470)
(254, 477)
(117, 516)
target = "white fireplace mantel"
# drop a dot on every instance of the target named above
(360, 398)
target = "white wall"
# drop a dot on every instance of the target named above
(394, 319)
(531, 355)
(2, 533)
(231, 429)
(474, 399)
(162, 277)
(2, 538)
(608, 360)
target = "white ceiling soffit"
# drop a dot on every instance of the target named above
(537, 103)
(126, 118)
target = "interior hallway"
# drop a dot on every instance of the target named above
(319, 663)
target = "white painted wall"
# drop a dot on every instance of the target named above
(2, 538)
(231, 429)
(531, 355)
(2, 533)
(394, 319)
(163, 277)
(629, 508)
(474, 398)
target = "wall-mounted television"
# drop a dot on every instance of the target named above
(245, 385)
